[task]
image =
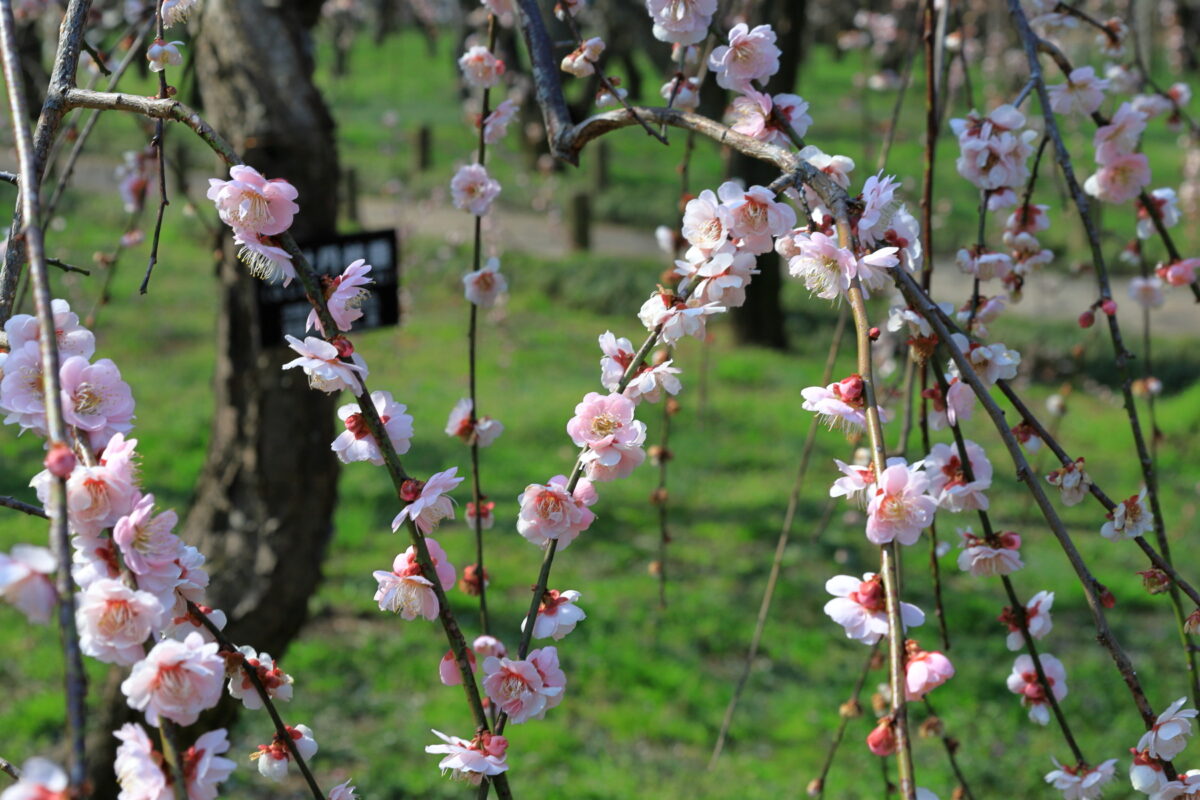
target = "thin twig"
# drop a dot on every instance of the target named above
(60, 538)
(160, 147)
(951, 745)
(32, 510)
(252, 675)
(844, 720)
(8, 769)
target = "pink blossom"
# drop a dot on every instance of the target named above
(344, 295)
(1027, 219)
(613, 438)
(986, 265)
(1081, 782)
(1169, 734)
(516, 687)
(953, 408)
(22, 391)
(991, 363)
(1165, 204)
(581, 62)
(1120, 136)
(750, 115)
(873, 269)
(794, 109)
(356, 442)
(877, 197)
(176, 680)
(344, 791)
(204, 767)
(551, 512)
(681, 21)
(882, 739)
(750, 56)
(853, 485)
(838, 168)
(826, 268)
(273, 759)
(983, 558)
(1073, 482)
(480, 68)
(489, 646)
(1120, 179)
(139, 770)
(1024, 681)
(448, 671)
(1146, 773)
(557, 615)
(409, 595)
(473, 190)
(146, 541)
(40, 780)
(900, 509)
(924, 671)
(1128, 519)
(1175, 273)
(495, 125)
(162, 54)
(755, 219)
(861, 607)
(97, 497)
(73, 339)
(686, 96)
(554, 680)
(250, 203)
(482, 431)
(1152, 105)
(993, 152)
(948, 482)
(706, 221)
(649, 383)
(264, 260)
(1037, 620)
(1081, 94)
(487, 518)
(27, 581)
(431, 506)
(95, 399)
(674, 319)
(115, 621)
(618, 355)
(325, 369)
(277, 682)
(841, 403)
(484, 286)
(1184, 788)
(471, 761)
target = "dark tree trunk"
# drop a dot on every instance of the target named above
(263, 506)
(761, 320)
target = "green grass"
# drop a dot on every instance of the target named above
(647, 686)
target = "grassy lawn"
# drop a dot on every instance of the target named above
(647, 686)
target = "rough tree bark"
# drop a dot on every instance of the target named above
(263, 506)
(761, 320)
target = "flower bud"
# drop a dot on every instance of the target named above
(815, 787)
(1109, 307)
(1192, 624)
(1155, 581)
(882, 740)
(60, 460)
(1087, 319)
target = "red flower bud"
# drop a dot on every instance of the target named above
(60, 461)
(1087, 319)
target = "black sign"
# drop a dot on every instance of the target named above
(284, 310)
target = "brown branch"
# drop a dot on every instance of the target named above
(8, 769)
(31, 235)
